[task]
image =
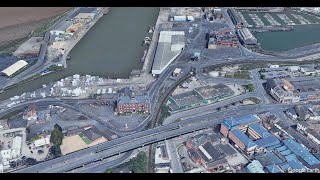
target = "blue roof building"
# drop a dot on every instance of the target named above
(243, 138)
(296, 164)
(301, 152)
(255, 167)
(273, 168)
(285, 166)
(269, 158)
(232, 122)
(260, 130)
(285, 152)
(267, 142)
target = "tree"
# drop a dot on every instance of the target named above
(56, 135)
(250, 87)
(262, 76)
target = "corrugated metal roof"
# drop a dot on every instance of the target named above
(260, 130)
(267, 142)
(243, 138)
(14, 67)
(273, 168)
(295, 164)
(255, 167)
(301, 152)
(236, 121)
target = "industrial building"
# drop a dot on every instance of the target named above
(9, 71)
(236, 20)
(170, 45)
(255, 167)
(246, 37)
(222, 38)
(248, 134)
(133, 104)
(199, 96)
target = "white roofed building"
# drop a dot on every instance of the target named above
(170, 45)
(42, 142)
(14, 68)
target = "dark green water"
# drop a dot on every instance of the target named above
(111, 48)
(302, 35)
(282, 41)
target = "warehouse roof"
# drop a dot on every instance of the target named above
(273, 168)
(255, 167)
(165, 53)
(14, 67)
(267, 141)
(237, 121)
(212, 151)
(268, 158)
(243, 138)
(226, 149)
(260, 130)
(301, 152)
(186, 98)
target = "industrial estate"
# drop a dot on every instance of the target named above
(207, 99)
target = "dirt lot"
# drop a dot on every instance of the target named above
(18, 22)
(75, 143)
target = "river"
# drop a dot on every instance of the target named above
(112, 47)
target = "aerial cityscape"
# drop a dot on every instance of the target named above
(160, 90)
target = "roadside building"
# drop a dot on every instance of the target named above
(287, 85)
(43, 116)
(293, 68)
(314, 136)
(42, 142)
(240, 123)
(9, 71)
(307, 70)
(308, 159)
(302, 112)
(133, 104)
(255, 167)
(31, 115)
(170, 45)
(304, 128)
(92, 135)
(176, 72)
(212, 43)
(291, 112)
(246, 37)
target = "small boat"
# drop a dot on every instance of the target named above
(68, 57)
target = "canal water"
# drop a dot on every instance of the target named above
(302, 35)
(112, 48)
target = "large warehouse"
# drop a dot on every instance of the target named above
(14, 68)
(246, 37)
(170, 45)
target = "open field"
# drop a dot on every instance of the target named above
(75, 143)
(17, 22)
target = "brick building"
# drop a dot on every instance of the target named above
(133, 104)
